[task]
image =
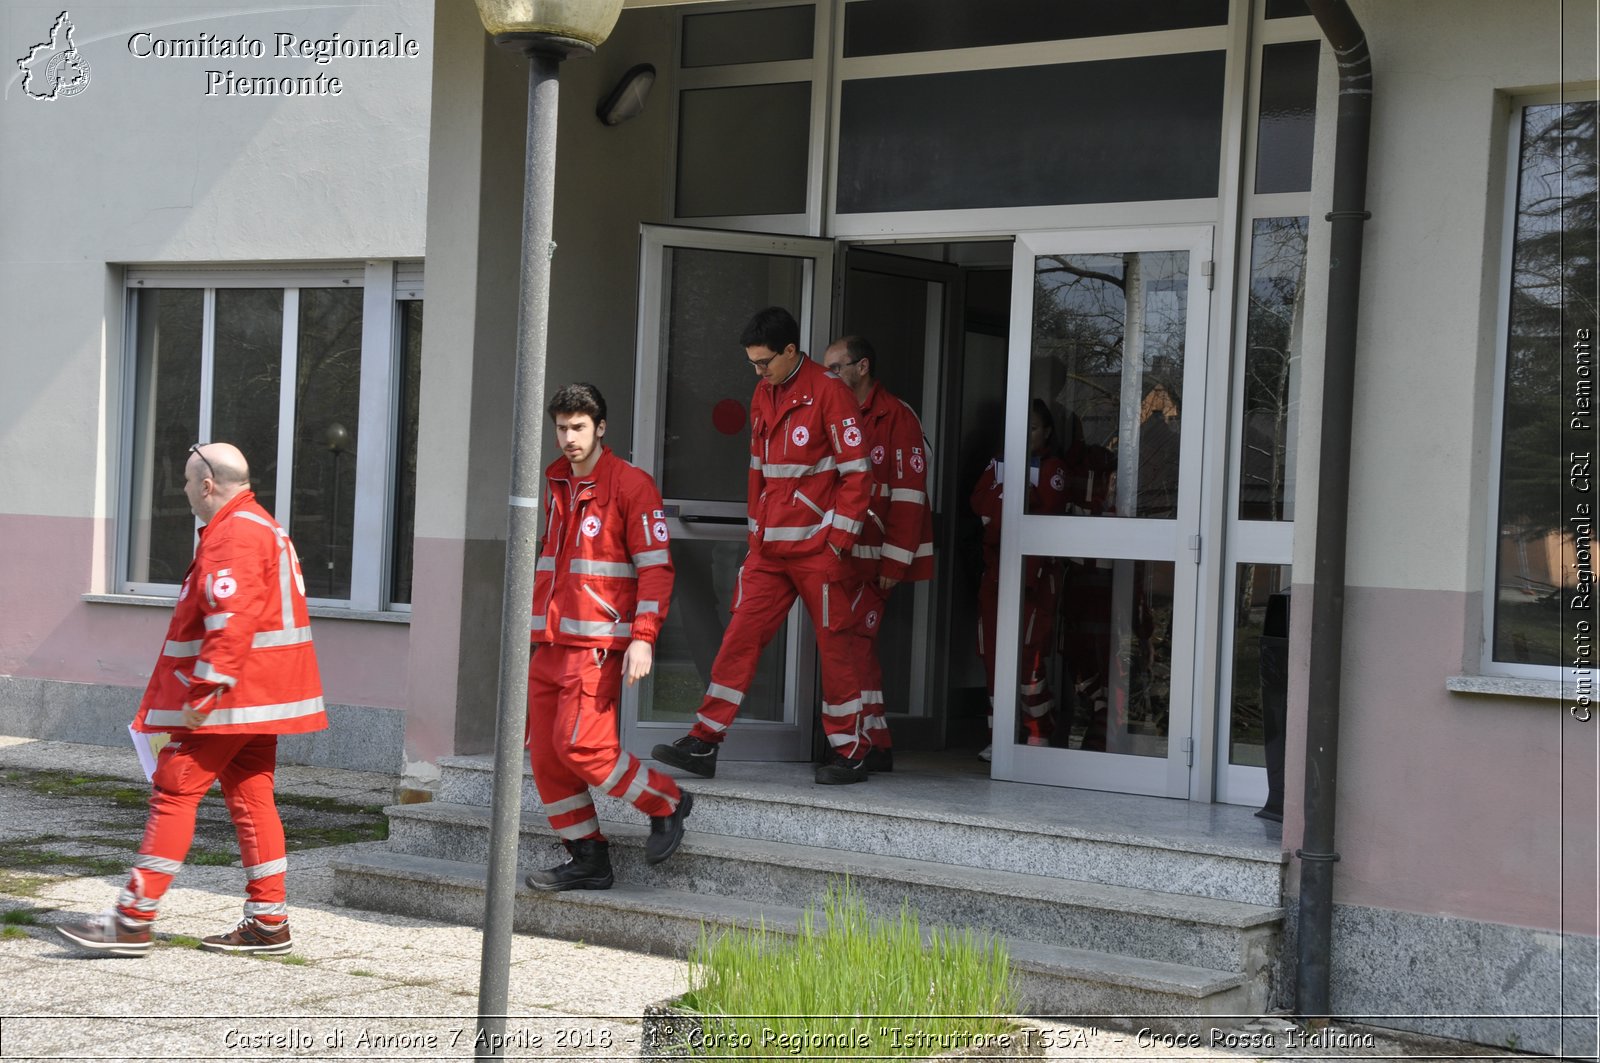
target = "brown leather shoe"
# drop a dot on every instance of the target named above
(109, 933)
(251, 936)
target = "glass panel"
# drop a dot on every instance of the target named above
(327, 410)
(405, 473)
(1287, 8)
(1549, 410)
(1287, 123)
(890, 27)
(1260, 662)
(1095, 664)
(706, 576)
(244, 400)
(1107, 383)
(1028, 136)
(744, 150)
(166, 420)
(710, 295)
(763, 35)
(1273, 330)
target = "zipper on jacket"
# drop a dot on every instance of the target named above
(813, 506)
(611, 610)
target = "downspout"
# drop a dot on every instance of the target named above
(1317, 855)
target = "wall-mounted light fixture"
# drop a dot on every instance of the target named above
(627, 99)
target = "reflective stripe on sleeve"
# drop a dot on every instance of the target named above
(859, 465)
(203, 670)
(649, 605)
(218, 621)
(894, 553)
(906, 494)
(844, 523)
(539, 623)
(546, 564)
(650, 557)
(182, 649)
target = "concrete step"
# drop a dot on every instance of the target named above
(1197, 931)
(966, 822)
(1049, 979)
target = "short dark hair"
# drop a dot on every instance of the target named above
(579, 398)
(773, 328)
(859, 348)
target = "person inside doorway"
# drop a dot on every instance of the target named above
(809, 490)
(896, 545)
(1045, 484)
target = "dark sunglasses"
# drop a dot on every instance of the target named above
(194, 448)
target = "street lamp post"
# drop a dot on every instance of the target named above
(546, 31)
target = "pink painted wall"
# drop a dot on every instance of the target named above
(48, 632)
(436, 566)
(1453, 804)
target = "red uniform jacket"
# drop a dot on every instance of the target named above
(809, 484)
(898, 539)
(605, 573)
(1047, 494)
(239, 645)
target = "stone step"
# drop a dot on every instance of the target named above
(1198, 931)
(892, 815)
(1048, 979)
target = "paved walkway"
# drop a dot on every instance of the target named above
(358, 984)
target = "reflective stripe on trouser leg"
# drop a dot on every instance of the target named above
(247, 791)
(838, 646)
(588, 716)
(185, 770)
(567, 804)
(871, 607)
(766, 592)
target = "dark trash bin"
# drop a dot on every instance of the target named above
(1275, 698)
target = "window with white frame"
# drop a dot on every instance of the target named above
(1546, 370)
(313, 374)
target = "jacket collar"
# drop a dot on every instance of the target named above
(237, 502)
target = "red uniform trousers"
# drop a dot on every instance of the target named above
(1036, 702)
(767, 587)
(185, 770)
(870, 607)
(573, 745)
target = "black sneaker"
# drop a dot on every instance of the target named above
(690, 754)
(841, 770)
(666, 832)
(880, 759)
(588, 867)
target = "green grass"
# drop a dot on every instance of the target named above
(13, 932)
(17, 884)
(358, 973)
(768, 995)
(209, 858)
(20, 917)
(182, 941)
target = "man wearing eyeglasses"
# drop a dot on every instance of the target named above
(237, 670)
(896, 545)
(809, 489)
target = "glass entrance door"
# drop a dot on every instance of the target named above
(1091, 581)
(697, 289)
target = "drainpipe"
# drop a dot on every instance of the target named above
(1317, 855)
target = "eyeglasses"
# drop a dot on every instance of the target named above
(194, 448)
(840, 365)
(760, 364)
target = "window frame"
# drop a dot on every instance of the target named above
(385, 285)
(1512, 116)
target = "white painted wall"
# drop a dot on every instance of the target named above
(143, 167)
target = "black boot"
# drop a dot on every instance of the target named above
(689, 754)
(588, 867)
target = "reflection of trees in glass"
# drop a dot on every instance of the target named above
(167, 421)
(1272, 347)
(327, 393)
(1553, 281)
(405, 503)
(1108, 346)
(247, 367)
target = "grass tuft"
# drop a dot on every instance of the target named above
(896, 989)
(13, 932)
(20, 917)
(182, 941)
(209, 858)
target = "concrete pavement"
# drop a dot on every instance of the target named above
(358, 984)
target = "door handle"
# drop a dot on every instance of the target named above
(710, 518)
